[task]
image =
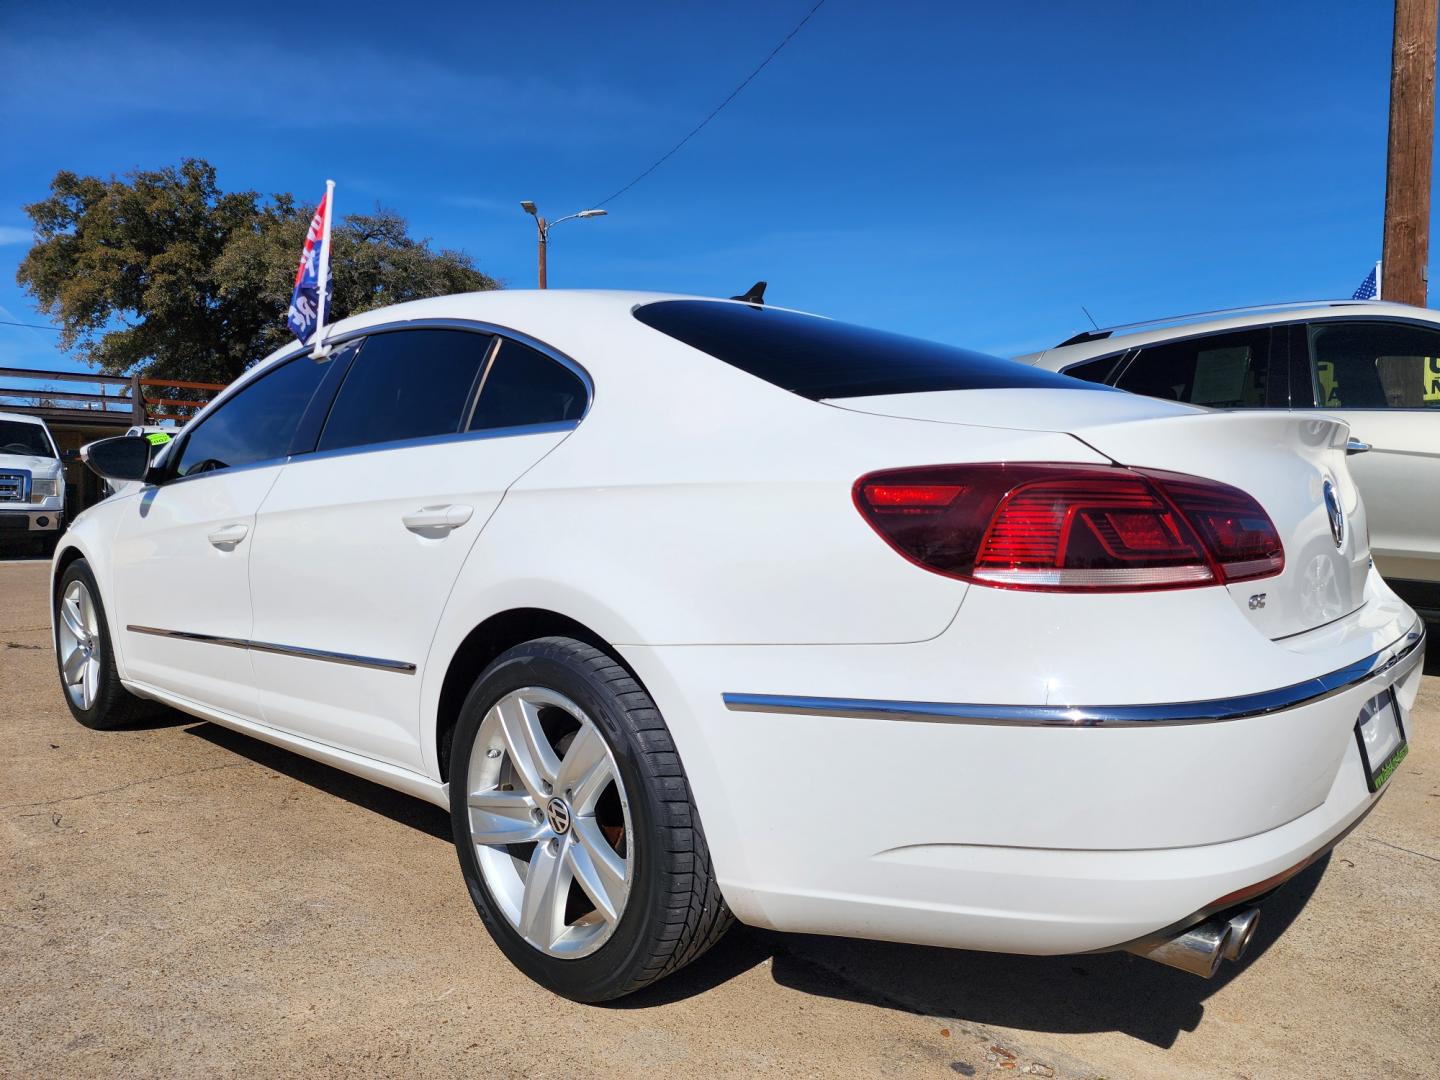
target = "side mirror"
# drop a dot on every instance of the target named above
(124, 458)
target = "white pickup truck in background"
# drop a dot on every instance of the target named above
(32, 486)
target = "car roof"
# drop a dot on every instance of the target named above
(595, 327)
(1107, 341)
(22, 418)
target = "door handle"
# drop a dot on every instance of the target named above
(1355, 446)
(229, 535)
(437, 517)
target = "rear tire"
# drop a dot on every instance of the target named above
(85, 656)
(658, 904)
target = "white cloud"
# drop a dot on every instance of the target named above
(11, 235)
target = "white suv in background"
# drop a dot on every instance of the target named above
(32, 484)
(1374, 365)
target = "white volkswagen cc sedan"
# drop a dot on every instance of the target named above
(686, 608)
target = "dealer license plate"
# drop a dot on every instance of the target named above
(1381, 734)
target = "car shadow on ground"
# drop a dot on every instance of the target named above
(1061, 994)
(1054, 994)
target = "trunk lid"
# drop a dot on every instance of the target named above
(1293, 463)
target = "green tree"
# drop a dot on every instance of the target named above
(162, 272)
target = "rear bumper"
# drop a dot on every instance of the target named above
(29, 521)
(1027, 828)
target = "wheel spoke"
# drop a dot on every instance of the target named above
(87, 613)
(90, 683)
(585, 771)
(70, 616)
(542, 909)
(504, 817)
(598, 869)
(529, 750)
(74, 666)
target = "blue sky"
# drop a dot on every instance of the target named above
(972, 172)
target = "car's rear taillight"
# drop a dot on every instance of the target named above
(1071, 527)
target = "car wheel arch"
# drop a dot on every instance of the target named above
(492, 637)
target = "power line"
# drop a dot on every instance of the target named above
(29, 325)
(716, 111)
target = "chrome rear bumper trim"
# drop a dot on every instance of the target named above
(1398, 657)
(400, 667)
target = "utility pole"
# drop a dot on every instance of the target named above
(1407, 174)
(544, 237)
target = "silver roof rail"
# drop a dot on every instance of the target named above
(1107, 331)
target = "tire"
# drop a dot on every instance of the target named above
(667, 910)
(98, 701)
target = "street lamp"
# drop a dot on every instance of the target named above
(543, 228)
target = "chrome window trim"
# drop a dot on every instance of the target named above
(1400, 656)
(474, 325)
(399, 667)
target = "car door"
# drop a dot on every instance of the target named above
(358, 545)
(1383, 378)
(180, 579)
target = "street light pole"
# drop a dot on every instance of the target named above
(543, 227)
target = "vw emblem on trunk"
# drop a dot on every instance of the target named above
(1336, 514)
(559, 815)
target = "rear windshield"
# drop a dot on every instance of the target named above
(820, 358)
(17, 437)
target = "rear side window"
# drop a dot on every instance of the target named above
(406, 384)
(1096, 371)
(1223, 371)
(820, 358)
(1359, 365)
(257, 424)
(526, 387)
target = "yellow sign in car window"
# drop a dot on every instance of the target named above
(1431, 371)
(157, 438)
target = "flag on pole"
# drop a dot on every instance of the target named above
(1369, 288)
(311, 297)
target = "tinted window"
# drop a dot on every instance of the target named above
(1223, 371)
(406, 385)
(1096, 371)
(20, 438)
(1375, 366)
(257, 424)
(820, 358)
(526, 387)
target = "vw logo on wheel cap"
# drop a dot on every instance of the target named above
(1336, 514)
(559, 815)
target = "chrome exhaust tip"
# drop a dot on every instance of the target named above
(1200, 949)
(1243, 925)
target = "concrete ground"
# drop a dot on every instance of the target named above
(185, 901)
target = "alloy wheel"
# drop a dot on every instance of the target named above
(550, 822)
(80, 646)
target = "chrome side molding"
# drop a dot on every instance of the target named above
(1403, 654)
(400, 667)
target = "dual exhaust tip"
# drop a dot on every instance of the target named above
(1200, 949)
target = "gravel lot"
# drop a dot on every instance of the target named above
(184, 901)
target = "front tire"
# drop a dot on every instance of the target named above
(577, 834)
(85, 655)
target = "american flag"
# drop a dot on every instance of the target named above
(1369, 288)
(311, 297)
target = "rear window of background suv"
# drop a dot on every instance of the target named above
(820, 358)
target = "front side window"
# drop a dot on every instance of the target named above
(406, 384)
(1223, 371)
(257, 423)
(822, 358)
(18, 437)
(1360, 365)
(526, 387)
